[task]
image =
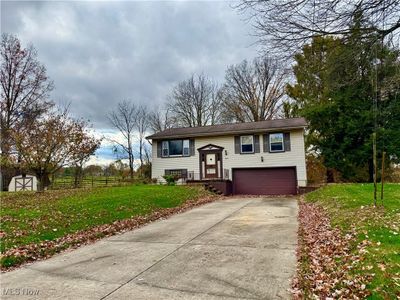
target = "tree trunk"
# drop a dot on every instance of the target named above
(78, 176)
(131, 165)
(4, 143)
(329, 175)
(7, 173)
(141, 157)
(370, 170)
(44, 180)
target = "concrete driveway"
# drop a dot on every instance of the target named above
(242, 248)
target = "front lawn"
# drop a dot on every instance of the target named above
(29, 218)
(374, 247)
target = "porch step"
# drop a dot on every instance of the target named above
(212, 189)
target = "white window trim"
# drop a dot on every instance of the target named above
(163, 143)
(283, 142)
(252, 143)
(186, 141)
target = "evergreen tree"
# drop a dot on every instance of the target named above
(338, 81)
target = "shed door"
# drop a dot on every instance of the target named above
(265, 181)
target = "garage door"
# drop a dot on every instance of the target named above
(271, 181)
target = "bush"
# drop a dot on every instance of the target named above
(143, 180)
(171, 179)
(392, 173)
(316, 171)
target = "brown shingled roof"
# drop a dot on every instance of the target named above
(232, 128)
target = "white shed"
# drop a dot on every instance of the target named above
(23, 183)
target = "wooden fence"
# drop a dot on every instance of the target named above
(68, 182)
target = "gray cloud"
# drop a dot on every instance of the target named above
(99, 53)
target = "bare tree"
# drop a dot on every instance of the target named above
(147, 154)
(124, 119)
(25, 88)
(87, 148)
(253, 91)
(160, 120)
(288, 24)
(142, 125)
(146, 168)
(195, 102)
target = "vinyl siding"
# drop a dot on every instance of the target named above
(295, 157)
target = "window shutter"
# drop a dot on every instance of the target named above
(237, 144)
(286, 140)
(257, 143)
(266, 142)
(191, 147)
(159, 148)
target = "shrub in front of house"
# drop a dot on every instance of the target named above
(171, 179)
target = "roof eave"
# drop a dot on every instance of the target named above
(155, 137)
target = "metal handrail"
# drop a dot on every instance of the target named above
(191, 175)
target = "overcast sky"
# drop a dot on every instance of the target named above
(99, 53)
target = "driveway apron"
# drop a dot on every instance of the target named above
(237, 248)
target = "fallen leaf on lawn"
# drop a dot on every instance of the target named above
(382, 267)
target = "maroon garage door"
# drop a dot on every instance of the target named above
(271, 181)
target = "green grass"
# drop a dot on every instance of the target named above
(29, 217)
(352, 204)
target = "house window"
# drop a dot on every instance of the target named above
(276, 142)
(246, 144)
(175, 148)
(178, 173)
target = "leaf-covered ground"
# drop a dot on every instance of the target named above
(349, 249)
(37, 225)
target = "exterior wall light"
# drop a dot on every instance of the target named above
(226, 152)
(262, 158)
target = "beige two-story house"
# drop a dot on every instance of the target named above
(266, 157)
